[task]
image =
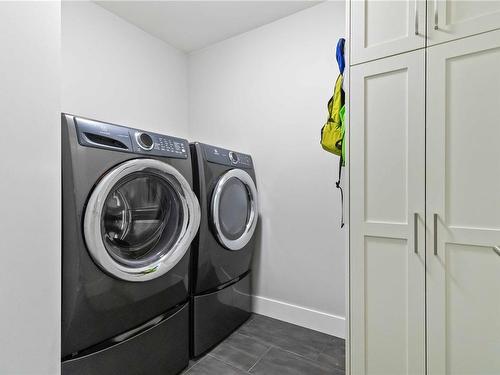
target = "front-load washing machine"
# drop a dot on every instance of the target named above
(129, 217)
(222, 251)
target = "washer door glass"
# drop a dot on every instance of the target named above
(234, 209)
(141, 219)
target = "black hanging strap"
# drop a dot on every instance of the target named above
(337, 184)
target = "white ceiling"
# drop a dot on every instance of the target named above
(192, 25)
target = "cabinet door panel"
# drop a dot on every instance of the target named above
(387, 179)
(384, 28)
(463, 191)
(460, 18)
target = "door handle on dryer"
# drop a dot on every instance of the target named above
(435, 234)
(496, 249)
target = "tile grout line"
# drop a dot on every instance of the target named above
(238, 350)
(223, 361)
(260, 358)
(300, 357)
(313, 361)
(286, 350)
(252, 337)
(226, 363)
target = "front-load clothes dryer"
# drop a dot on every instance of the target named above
(222, 251)
(129, 217)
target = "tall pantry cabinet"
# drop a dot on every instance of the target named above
(424, 171)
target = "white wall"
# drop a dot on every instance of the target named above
(30, 188)
(265, 93)
(113, 71)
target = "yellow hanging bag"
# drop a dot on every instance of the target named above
(332, 133)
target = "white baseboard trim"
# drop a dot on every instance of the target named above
(301, 316)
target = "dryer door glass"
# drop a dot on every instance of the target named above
(234, 209)
(140, 219)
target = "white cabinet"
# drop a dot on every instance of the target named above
(453, 19)
(424, 167)
(387, 241)
(463, 196)
(381, 28)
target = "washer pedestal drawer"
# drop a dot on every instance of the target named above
(216, 315)
(162, 349)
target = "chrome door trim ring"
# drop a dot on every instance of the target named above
(245, 178)
(93, 213)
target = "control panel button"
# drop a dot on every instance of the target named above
(144, 141)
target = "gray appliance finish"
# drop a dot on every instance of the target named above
(224, 182)
(129, 217)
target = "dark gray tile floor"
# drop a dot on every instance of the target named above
(266, 346)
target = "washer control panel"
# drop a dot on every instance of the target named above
(119, 138)
(226, 157)
(161, 145)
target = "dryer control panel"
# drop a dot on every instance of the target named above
(119, 138)
(226, 157)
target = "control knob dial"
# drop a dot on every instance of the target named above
(233, 157)
(144, 140)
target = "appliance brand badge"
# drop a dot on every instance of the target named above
(103, 129)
